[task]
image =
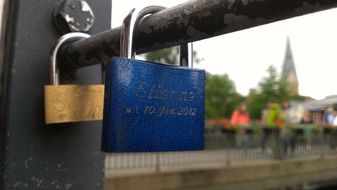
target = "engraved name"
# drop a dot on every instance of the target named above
(157, 92)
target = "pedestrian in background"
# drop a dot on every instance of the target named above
(273, 121)
(328, 119)
(287, 136)
(240, 119)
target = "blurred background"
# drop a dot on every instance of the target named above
(270, 97)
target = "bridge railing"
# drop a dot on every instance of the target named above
(235, 146)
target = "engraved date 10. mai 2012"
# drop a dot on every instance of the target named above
(162, 111)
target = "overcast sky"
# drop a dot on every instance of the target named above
(245, 55)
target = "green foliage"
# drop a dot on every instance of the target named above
(255, 104)
(221, 96)
(272, 88)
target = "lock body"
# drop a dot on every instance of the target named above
(73, 103)
(152, 107)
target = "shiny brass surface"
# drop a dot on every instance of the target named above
(73, 103)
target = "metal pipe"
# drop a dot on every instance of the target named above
(187, 22)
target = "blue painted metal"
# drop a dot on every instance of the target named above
(152, 107)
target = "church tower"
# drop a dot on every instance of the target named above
(289, 70)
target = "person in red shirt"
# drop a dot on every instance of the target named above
(240, 119)
(240, 116)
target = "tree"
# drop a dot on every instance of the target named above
(221, 96)
(270, 88)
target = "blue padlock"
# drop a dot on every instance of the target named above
(150, 107)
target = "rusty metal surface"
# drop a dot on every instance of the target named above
(191, 21)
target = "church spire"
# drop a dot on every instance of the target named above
(289, 71)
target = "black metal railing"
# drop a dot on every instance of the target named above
(191, 21)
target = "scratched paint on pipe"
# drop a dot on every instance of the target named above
(191, 21)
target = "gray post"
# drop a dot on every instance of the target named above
(32, 155)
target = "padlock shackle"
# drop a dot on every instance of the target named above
(130, 23)
(186, 55)
(54, 69)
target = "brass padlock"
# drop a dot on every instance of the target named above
(71, 103)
